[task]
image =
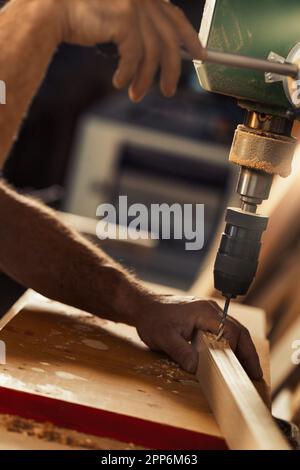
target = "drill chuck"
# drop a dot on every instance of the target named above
(237, 258)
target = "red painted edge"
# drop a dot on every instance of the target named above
(104, 423)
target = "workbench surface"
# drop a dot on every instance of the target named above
(80, 372)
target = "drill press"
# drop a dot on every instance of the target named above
(263, 146)
(252, 53)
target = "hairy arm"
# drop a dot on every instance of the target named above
(39, 251)
(28, 40)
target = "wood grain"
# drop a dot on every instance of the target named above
(244, 419)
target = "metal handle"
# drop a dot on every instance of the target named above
(110, 50)
(235, 60)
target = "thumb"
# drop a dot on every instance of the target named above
(182, 352)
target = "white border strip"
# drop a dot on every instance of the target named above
(207, 18)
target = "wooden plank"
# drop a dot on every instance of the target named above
(79, 371)
(241, 414)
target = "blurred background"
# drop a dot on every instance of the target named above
(84, 143)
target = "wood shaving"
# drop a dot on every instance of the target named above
(165, 370)
(51, 433)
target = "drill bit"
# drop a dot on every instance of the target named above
(224, 316)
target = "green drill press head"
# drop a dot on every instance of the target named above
(253, 28)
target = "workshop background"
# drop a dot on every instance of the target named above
(84, 143)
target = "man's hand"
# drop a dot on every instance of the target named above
(148, 34)
(168, 323)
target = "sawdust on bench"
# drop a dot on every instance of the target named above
(50, 433)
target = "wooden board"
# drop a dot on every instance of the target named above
(97, 377)
(245, 421)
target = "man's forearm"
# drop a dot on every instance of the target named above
(39, 251)
(28, 39)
